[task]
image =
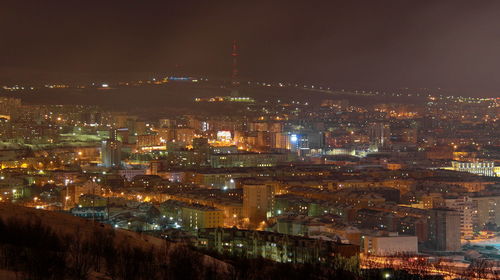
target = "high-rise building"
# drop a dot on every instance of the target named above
(148, 140)
(166, 123)
(488, 210)
(201, 150)
(379, 134)
(192, 121)
(433, 200)
(281, 141)
(184, 135)
(258, 202)
(111, 150)
(9, 106)
(465, 207)
(444, 229)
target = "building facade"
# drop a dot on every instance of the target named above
(258, 202)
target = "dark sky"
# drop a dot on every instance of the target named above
(452, 44)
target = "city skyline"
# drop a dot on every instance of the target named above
(250, 140)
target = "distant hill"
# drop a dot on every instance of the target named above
(178, 97)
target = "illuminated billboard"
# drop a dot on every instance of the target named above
(224, 136)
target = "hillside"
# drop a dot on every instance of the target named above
(38, 244)
(66, 224)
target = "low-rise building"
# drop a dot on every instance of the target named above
(273, 246)
(246, 160)
(96, 213)
(192, 216)
(390, 245)
(196, 216)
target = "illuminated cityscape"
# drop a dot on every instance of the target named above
(251, 174)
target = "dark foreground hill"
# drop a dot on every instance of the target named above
(36, 244)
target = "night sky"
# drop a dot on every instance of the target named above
(374, 43)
